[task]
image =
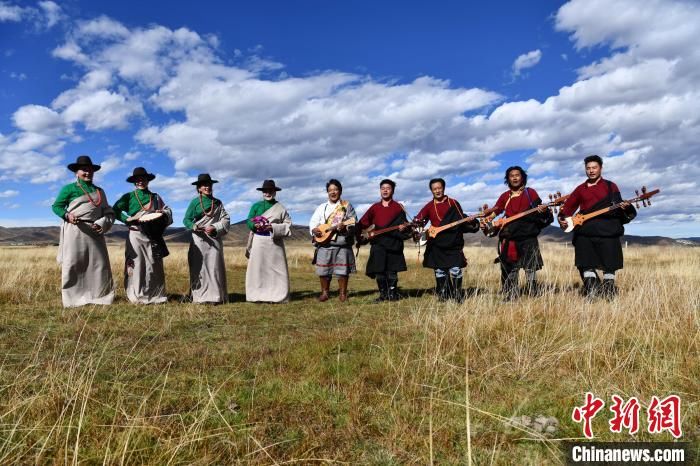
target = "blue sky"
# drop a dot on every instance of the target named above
(301, 91)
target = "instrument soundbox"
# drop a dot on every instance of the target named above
(327, 231)
(579, 219)
(495, 226)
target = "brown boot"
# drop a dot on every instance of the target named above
(343, 288)
(325, 283)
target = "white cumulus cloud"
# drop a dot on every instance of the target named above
(8, 193)
(52, 12)
(9, 12)
(526, 60)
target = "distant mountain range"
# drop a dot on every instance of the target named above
(239, 233)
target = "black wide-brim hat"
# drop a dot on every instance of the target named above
(140, 171)
(204, 178)
(269, 185)
(82, 161)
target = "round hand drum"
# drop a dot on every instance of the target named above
(153, 224)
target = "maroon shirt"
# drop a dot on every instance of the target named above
(379, 215)
(517, 204)
(435, 211)
(585, 196)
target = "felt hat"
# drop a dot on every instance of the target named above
(204, 178)
(81, 161)
(140, 171)
(269, 185)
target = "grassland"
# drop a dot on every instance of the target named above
(396, 383)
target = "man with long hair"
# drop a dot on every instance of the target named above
(518, 247)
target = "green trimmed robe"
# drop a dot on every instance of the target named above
(86, 275)
(206, 253)
(267, 274)
(144, 273)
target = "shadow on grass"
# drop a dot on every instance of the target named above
(420, 292)
(302, 295)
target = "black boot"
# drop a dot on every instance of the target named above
(457, 291)
(590, 287)
(441, 288)
(383, 290)
(608, 290)
(393, 289)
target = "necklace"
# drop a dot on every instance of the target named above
(435, 203)
(150, 200)
(99, 195)
(211, 208)
(512, 195)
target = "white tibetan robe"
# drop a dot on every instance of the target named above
(206, 259)
(267, 275)
(144, 272)
(86, 276)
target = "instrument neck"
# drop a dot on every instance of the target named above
(520, 214)
(384, 230)
(603, 210)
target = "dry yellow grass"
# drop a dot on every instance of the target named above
(413, 382)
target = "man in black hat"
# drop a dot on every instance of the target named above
(85, 270)
(144, 274)
(209, 222)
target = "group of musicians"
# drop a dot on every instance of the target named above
(334, 228)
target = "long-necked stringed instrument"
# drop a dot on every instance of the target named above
(327, 231)
(495, 226)
(433, 231)
(370, 232)
(579, 219)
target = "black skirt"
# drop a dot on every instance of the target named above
(446, 249)
(529, 256)
(598, 252)
(386, 251)
(383, 260)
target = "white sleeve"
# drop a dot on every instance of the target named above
(317, 217)
(280, 230)
(224, 223)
